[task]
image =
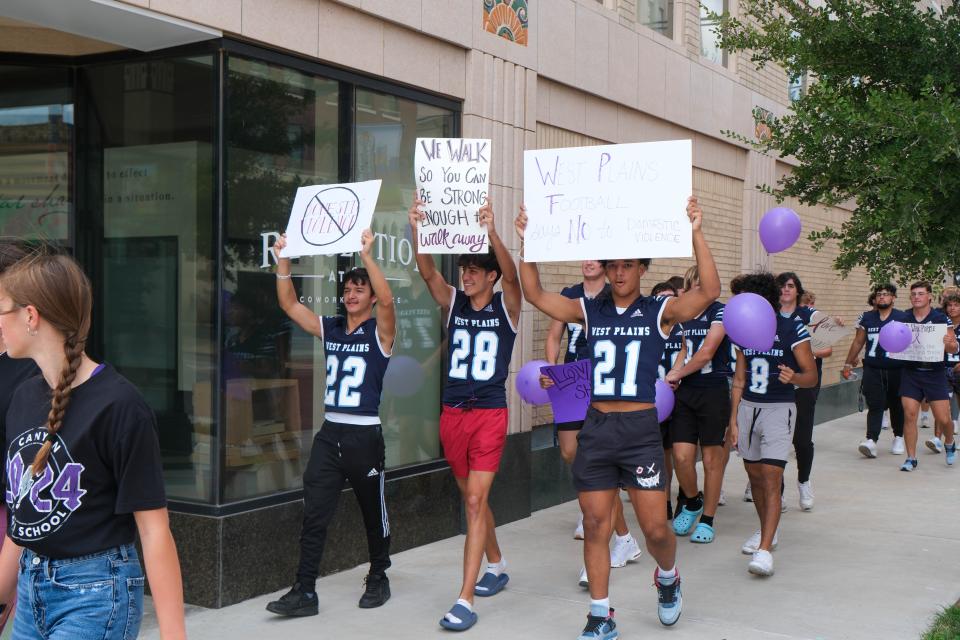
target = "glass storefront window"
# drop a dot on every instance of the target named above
(386, 131)
(36, 144)
(149, 130)
(282, 132)
(183, 168)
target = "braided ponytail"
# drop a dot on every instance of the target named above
(61, 293)
(59, 401)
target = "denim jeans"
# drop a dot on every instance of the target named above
(98, 596)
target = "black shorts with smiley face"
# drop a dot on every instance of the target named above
(619, 450)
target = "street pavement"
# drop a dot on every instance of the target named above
(875, 559)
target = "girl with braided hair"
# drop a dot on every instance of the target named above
(83, 474)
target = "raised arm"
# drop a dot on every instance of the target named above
(508, 280)
(554, 305)
(163, 571)
(693, 302)
(439, 288)
(552, 346)
(386, 314)
(287, 295)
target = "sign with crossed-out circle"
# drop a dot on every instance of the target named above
(328, 219)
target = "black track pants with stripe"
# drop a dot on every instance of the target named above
(340, 453)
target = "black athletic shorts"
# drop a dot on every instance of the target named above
(569, 426)
(665, 434)
(619, 449)
(700, 415)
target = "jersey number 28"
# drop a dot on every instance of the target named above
(484, 348)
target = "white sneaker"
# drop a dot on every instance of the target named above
(748, 494)
(578, 531)
(868, 448)
(806, 495)
(582, 581)
(761, 564)
(898, 448)
(885, 423)
(925, 419)
(935, 445)
(783, 504)
(624, 551)
(723, 498)
(753, 543)
(956, 427)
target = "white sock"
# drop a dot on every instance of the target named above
(600, 608)
(666, 576)
(454, 619)
(496, 568)
(624, 539)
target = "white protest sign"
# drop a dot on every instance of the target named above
(825, 331)
(927, 343)
(328, 219)
(608, 202)
(452, 176)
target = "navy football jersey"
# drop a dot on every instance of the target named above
(356, 364)
(479, 347)
(626, 347)
(671, 351)
(936, 316)
(873, 353)
(714, 373)
(577, 348)
(763, 367)
(805, 315)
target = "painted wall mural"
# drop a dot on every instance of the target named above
(507, 19)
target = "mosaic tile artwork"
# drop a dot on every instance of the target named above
(507, 19)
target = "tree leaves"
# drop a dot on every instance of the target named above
(879, 125)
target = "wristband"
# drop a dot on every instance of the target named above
(284, 276)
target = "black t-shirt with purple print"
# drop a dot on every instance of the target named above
(105, 465)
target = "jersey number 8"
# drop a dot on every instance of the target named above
(759, 375)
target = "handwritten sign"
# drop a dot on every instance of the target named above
(328, 219)
(608, 202)
(927, 343)
(452, 176)
(825, 332)
(570, 393)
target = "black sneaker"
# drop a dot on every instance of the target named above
(295, 603)
(600, 628)
(377, 591)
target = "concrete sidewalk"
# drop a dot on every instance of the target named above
(875, 559)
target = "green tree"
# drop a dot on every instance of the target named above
(879, 124)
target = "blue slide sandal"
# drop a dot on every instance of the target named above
(465, 617)
(490, 585)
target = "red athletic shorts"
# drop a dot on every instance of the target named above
(473, 439)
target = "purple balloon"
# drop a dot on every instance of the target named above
(664, 401)
(528, 383)
(779, 229)
(750, 321)
(895, 336)
(404, 376)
